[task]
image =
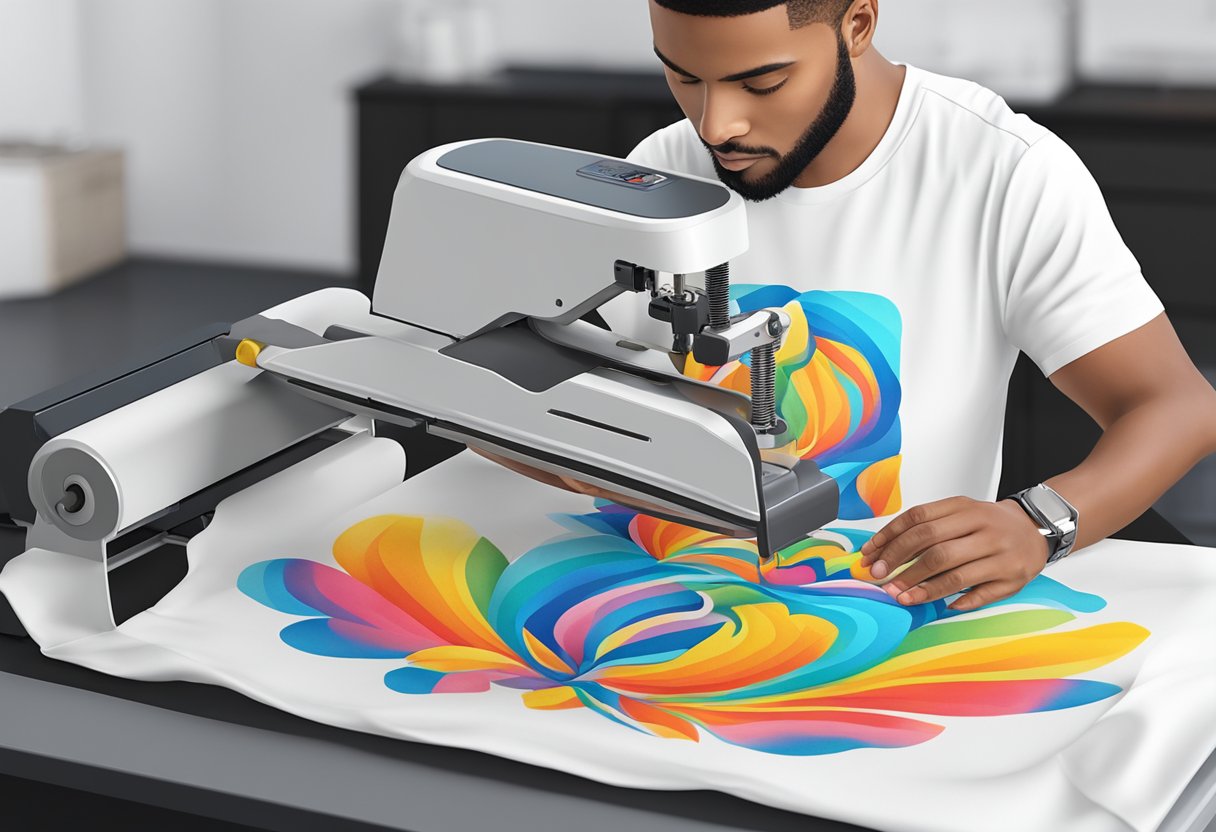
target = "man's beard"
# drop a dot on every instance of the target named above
(813, 141)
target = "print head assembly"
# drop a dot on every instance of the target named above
(496, 251)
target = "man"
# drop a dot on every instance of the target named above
(928, 234)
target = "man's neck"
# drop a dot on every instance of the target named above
(879, 83)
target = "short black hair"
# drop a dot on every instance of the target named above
(800, 12)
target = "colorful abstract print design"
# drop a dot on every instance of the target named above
(673, 631)
(838, 388)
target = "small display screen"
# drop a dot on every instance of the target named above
(1053, 507)
(623, 173)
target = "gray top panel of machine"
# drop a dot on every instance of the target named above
(555, 171)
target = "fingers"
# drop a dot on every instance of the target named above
(520, 468)
(939, 558)
(953, 568)
(581, 487)
(633, 502)
(555, 480)
(912, 517)
(571, 484)
(904, 540)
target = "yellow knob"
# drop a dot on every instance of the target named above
(247, 352)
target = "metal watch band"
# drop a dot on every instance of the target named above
(1067, 529)
(1061, 536)
(1045, 528)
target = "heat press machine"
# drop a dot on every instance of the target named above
(495, 252)
(462, 320)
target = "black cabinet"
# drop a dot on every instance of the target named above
(1152, 152)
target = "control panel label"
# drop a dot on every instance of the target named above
(623, 173)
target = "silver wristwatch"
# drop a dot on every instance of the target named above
(1055, 516)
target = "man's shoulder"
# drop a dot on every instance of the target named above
(982, 129)
(965, 108)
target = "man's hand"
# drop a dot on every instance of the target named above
(994, 549)
(566, 483)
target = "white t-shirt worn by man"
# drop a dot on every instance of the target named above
(970, 233)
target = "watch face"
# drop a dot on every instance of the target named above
(1050, 505)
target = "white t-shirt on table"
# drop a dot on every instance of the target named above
(969, 233)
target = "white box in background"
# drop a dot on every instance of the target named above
(62, 216)
(1021, 50)
(1157, 42)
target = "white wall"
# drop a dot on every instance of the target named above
(237, 120)
(1121, 42)
(1021, 50)
(236, 114)
(614, 34)
(40, 74)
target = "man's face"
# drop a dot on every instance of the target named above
(765, 100)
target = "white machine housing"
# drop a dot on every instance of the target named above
(464, 252)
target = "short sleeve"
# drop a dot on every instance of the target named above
(1070, 284)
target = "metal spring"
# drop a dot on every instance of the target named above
(717, 287)
(764, 380)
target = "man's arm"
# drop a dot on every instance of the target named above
(1158, 417)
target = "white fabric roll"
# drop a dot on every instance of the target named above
(139, 459)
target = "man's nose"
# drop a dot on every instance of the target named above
(722, 119)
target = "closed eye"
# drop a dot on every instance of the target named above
(753, 90)
(765, 90)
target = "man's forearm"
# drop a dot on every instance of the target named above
(1158, 416)
(1139, 457)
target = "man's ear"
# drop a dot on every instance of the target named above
(858, 26)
